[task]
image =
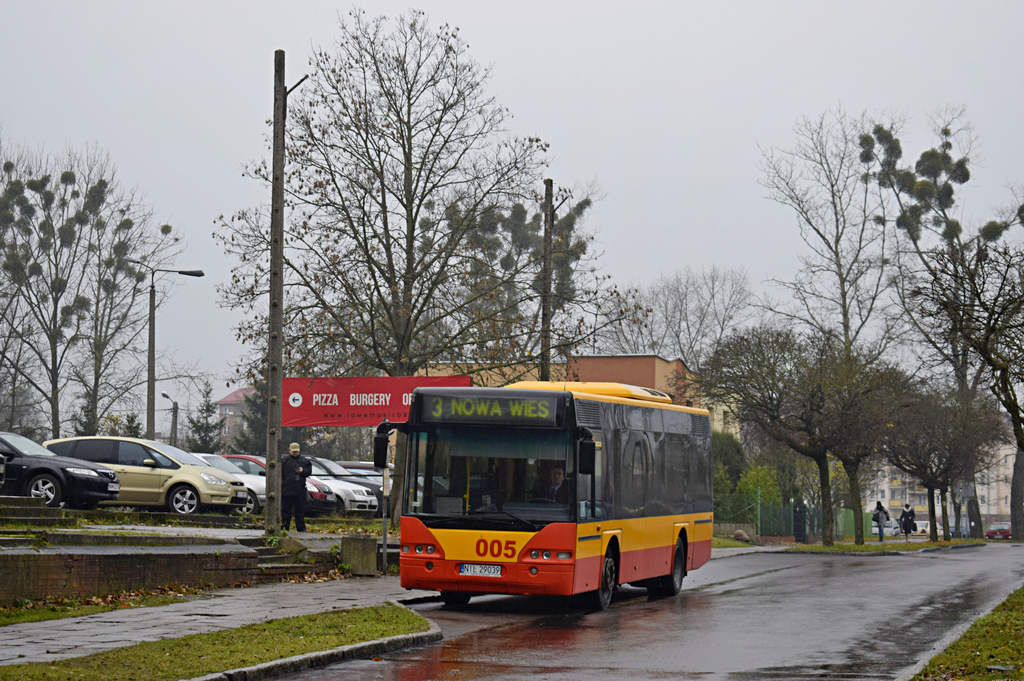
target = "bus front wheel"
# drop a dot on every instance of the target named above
(672, 583)
(602, 598)
(455, 598)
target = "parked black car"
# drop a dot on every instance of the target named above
(34, 471)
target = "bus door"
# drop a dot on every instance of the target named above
(634, 465)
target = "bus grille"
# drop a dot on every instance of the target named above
(701, 425)
(588, 414)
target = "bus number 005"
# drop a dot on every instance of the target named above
(495, 549)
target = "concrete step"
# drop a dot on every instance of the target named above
(253, 542)
(275, 571)
(41, 511)
(266, 550)
(18, 541)
(276, 559)
(23, 502)
(142, 517)
(38, 522)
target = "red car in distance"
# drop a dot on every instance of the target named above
(320, 500)
(998, 531)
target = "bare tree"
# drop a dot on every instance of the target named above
(67, 229)
(113, 356)
(769, 373)
(841, 287)
(934, 438)
(689, 313)
(840, 291)
(963, 293)
(406, 245)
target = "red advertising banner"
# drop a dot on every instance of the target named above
(362, 401)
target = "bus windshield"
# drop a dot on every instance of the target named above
(477, 477)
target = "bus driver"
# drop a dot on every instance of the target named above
(557, 489)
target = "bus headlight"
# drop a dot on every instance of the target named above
(547, 555)
(405, 548)
(534, 554)
(430, 549)
(419, 548)
(564, 555)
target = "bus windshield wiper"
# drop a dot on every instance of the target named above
(533, 527)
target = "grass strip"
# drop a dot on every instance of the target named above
(875, 547)
(335, 525)
(727, 543)
(995, 640)
(200, 654)
(57, 607)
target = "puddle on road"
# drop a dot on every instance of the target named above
(945, 614)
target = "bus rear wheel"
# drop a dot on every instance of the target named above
(455, 598)
(602, 598)
(672, 583)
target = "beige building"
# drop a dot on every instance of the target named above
(894, 488)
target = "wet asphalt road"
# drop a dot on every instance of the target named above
(755, 616)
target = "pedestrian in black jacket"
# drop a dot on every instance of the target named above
(907, 523)
(294, 471)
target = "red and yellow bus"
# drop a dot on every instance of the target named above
(551, 488)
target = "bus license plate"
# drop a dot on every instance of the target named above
(480, 570)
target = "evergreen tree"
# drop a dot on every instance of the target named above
(204, 429)
(253, 437)
(132, 425)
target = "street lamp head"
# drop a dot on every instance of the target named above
(191, 273)
(163, 393)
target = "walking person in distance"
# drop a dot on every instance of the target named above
(907, 523)
(294, 471)
(880, 517)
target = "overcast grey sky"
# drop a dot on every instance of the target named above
(663, 104)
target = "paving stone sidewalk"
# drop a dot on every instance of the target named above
(222, 609)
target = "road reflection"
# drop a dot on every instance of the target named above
(764, 617)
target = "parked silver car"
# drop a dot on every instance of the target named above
(256, 485)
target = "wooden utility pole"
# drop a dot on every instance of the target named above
(275, 347)
(545, 294)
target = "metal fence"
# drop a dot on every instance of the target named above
(774, 520)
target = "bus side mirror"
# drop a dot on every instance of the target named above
(380, 450)
(588, 454)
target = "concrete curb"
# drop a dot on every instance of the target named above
(288, 665)
(885, 553)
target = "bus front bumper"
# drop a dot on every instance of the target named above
(516, 578)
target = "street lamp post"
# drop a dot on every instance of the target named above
(151, 369)
(174, 418)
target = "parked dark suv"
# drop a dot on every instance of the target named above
(33, 470)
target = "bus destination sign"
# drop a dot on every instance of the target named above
(538, 411)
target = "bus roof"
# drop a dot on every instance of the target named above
(596, 388)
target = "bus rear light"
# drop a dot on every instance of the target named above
(564, 555)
